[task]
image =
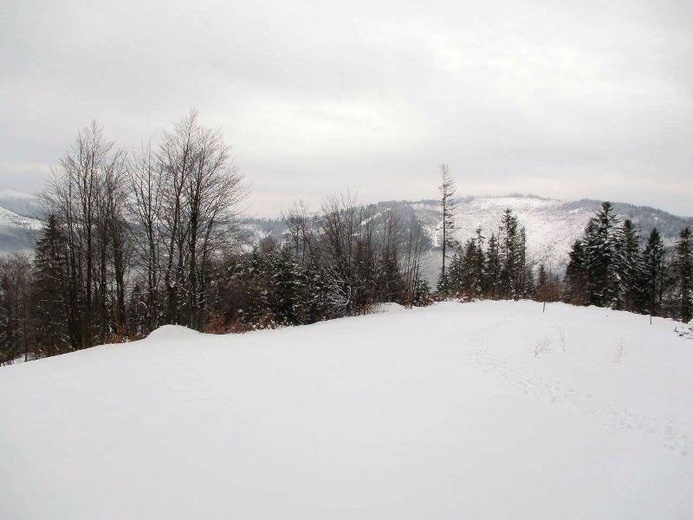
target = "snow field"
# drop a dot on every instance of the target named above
(481, 410)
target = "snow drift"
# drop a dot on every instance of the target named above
(482, 410)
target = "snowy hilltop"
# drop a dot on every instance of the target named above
(483, 410)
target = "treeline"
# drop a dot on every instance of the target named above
(611, 267)
(337, 263)
(497, 268)
(134, 240)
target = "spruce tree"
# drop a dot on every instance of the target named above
(512, 250)
(530, 285)
(576, 275)
(631, 268)
(469, 269)
(455, 274)
(542, 278)
(56, 329)
(525, 276)
(653, 274)
(422, 293)
(683, 268)
(492, 269)
(603, 253)
(478, 266)
(508, 236)
(289, 286)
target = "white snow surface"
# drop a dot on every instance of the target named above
(172, 333)
(387, 307)
(479, 410)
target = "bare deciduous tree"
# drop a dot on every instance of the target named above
(186, 202)
(84, 195)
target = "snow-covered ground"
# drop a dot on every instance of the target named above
(481, 410)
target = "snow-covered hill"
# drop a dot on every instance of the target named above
(482, 410)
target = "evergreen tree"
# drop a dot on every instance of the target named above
(492, 269)
(631, 268)
(57, 329)
(653, 274)
(390, 281)
(507, 234)
(525, 282)
(472, 269)
(542, 277)
(455, 275)
(15, 317)
(512, 257)
(478, 266)
(577, 275)
(683, 269)
(530, 285)
(289, 285)
(603, 253)
(422, 293)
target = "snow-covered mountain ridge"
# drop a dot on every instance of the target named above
(17, 232)
(551, 225)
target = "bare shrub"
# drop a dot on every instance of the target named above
(542, 346)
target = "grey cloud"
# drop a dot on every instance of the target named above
(315, 96)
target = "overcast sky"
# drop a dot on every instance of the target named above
(565, 99)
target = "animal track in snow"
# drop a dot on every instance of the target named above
(664, 430)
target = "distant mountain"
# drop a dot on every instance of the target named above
(19, 202)
(17, 233)
(18, 227)
(551, 225)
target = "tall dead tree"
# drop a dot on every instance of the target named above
(448, 208)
